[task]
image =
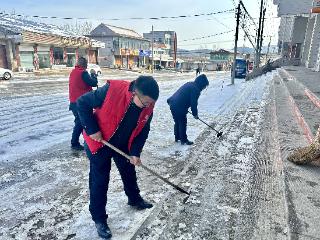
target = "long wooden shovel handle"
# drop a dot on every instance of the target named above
(144, 167)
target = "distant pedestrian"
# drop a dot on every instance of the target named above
(80, 82)
(197, 71)
(184, 98)
(122, 116)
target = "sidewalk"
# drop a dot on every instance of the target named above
(297, 119)
(306, 76)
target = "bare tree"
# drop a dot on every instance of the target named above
(79, 29)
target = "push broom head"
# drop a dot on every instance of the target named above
(305, 155)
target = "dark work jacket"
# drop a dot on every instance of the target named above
(187, 96)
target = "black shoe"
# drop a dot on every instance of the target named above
(103, 230)
(77, 147)
(140, 204)
(176, 140)
(186, 142)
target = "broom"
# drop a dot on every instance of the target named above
(307, 154)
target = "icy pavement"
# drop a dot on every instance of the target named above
(237, 183)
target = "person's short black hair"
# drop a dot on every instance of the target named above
(148, 86)
(82, 62)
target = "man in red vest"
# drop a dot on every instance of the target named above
(120, 112)
(80, 82)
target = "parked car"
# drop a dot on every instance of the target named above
(94, 67)
(6, 74)
(241, 68)
(158, 67)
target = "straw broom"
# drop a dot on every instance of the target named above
(307, 154)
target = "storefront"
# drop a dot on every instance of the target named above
(26, 56)
(43, 56)
(71, 57)
(3, 57)
(92, 56)
(58, 56)
(128, 58)
(26, 45)
(316, 6)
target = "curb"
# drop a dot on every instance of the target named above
(312, 97)
(299, 117)
(306, 130)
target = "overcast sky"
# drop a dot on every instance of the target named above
(99, 10)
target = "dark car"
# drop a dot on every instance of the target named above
(158, 67)
(241, 68)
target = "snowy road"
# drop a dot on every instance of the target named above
(44, 185)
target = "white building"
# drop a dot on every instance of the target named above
(299, 31)
(161, 55)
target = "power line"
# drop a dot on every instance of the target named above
(217, 34)
(118, 19)
(247, 13)
(220, 22)
(205, 43)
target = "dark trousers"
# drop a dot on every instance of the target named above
(180, 126)
(99, 175)
(77, 129)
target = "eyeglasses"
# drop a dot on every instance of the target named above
(142, 103)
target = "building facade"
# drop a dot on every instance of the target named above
(161, 55)
(123, 47)
(299, 31)
(168, 38)
(221, 56)
(26, 45)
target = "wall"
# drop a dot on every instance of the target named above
(307, 40)
(299, 29)
(292, 7)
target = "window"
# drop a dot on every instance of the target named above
(58, 56)
(115, 43)
(44, 59)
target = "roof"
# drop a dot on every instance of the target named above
(124, 31)
(220, 51)
(18, 24)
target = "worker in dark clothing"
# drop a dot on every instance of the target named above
(197, 71)
(122, 115)
(80, 82)
(185, 97)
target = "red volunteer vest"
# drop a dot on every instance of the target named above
(77, 87)
(112, 111)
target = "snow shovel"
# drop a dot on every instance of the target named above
(219, 134)
(146, 168)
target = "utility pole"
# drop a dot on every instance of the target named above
(261, 37)
(175, 46)
(267, 55)
(152, 50)
(235, 45)
(257, 55)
